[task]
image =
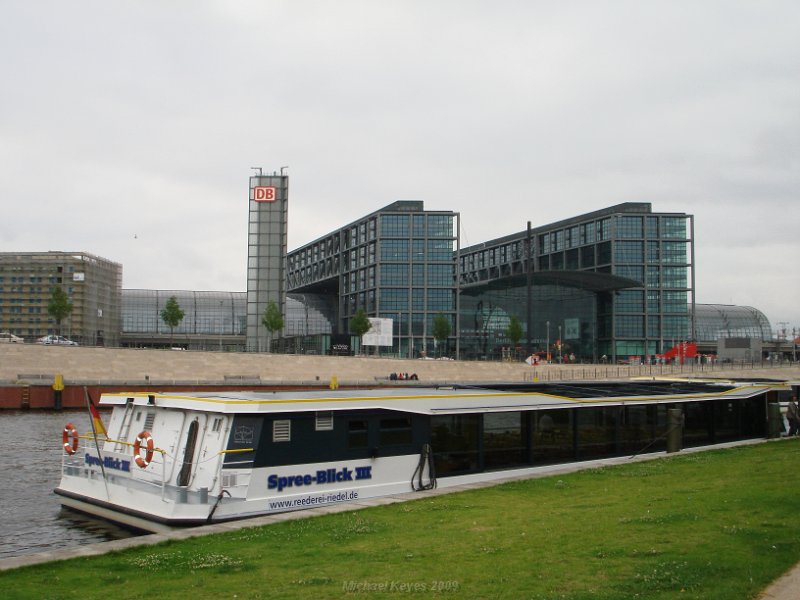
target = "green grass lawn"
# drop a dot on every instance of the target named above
(718, 524)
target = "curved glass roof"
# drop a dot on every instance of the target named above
(713, 321)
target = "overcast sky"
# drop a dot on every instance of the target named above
(128, 129)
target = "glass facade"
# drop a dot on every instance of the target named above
(715, 321)
(625, 286)
(396, 263)
(212, 320)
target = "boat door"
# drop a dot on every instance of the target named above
(189, 450)
(199, 454)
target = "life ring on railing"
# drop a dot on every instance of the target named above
(146, 439)
(69, 437)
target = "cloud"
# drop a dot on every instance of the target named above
(144, 119)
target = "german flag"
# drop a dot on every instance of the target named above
(97, 422)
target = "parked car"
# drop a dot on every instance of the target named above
(56, 340)
(10, 338)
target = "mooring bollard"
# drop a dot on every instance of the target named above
(675, 431)
(58, 388)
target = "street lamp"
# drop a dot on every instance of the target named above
(559, 344)
(547, 347)
(221, 323)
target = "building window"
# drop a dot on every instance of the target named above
(674, 252)
(630, 301)
(394, 225)
(419, 225)
(653, 277)
(674, 227)
(440, 275)
(629, 326)
(631, 272)
(394, 299)
(417, 274)
(652, 227)
(394, 274)
(653, 301)
(676, 302)
(628, 252)
(674, 277)
(394, 250)
(440, 226)
(629, 227)
(653, 326)
(604, 229)
(587, 256)
(417, 249)
(653, 252)
(441, 250)
(572, 260)
(604, 253)
(675, 327)
(440, 299)
(588, 234)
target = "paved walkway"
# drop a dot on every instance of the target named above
(37, 363)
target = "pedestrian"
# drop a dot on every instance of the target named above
(793, 416)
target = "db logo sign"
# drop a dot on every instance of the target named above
(264, 193)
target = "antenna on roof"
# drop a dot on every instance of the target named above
(282, 168)
(257, 169)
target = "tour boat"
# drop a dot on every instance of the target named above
(167, 460)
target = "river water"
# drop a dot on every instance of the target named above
(31, 517)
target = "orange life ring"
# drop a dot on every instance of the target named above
(69, 437)
(146, 439)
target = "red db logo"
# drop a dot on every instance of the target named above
(264, 193)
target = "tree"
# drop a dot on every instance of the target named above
(441, 328)
(272, 320)
(59, 306)
(359, 324)
(172, 315)
(514, 331)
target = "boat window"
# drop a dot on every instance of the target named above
(395, 431)
(504, 440)
(357, 433)
(455, 441)
(217, 425)
(282, 430)
(324, 421)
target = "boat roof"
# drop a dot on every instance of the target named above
(492, 397)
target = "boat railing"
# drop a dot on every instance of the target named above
(75, 464)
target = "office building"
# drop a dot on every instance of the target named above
(92, 284)
(395, 263)
(617, 282)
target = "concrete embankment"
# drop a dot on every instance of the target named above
(27, 371)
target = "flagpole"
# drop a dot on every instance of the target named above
(89, 405)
